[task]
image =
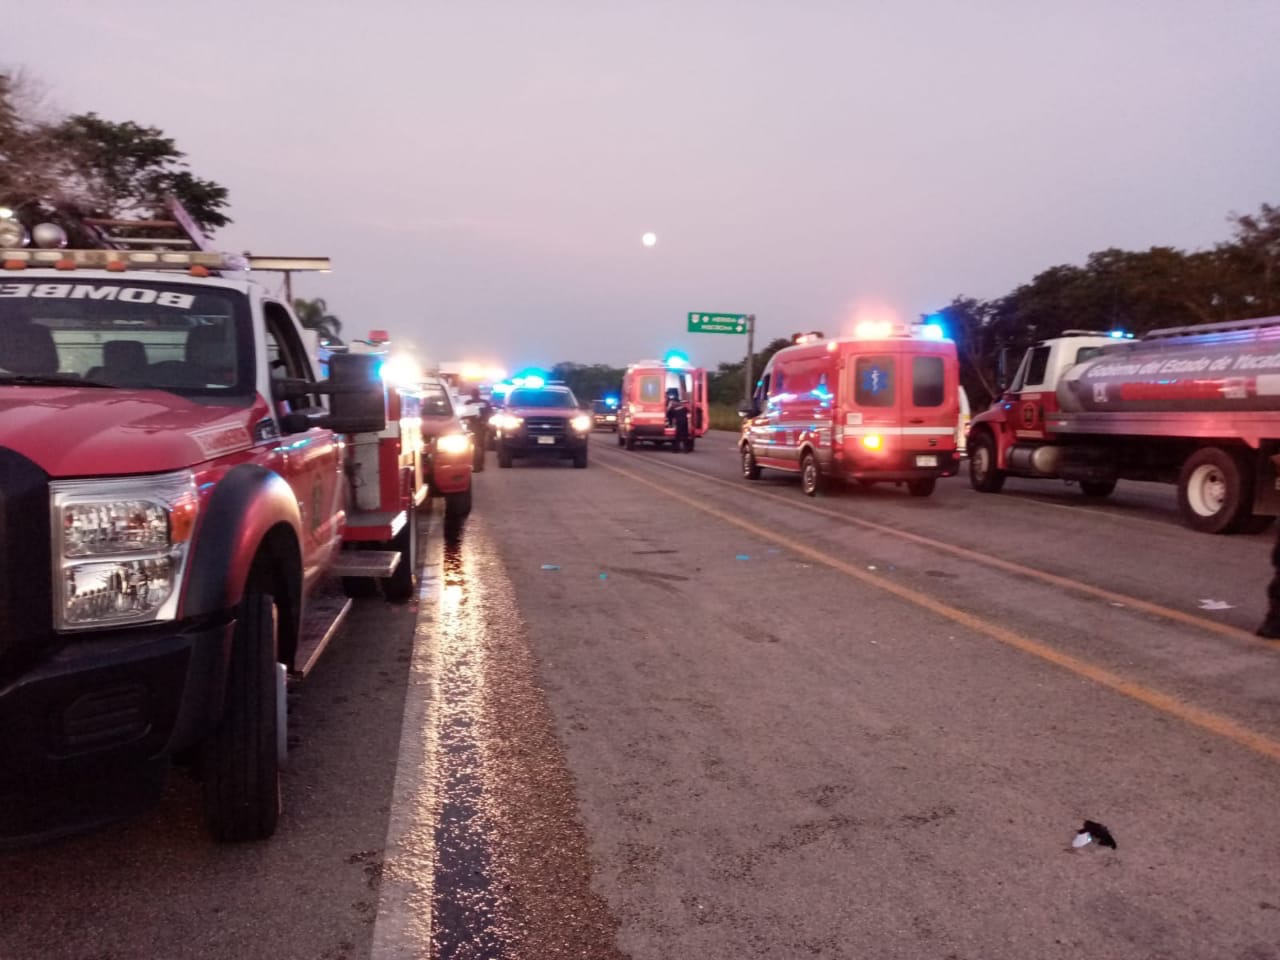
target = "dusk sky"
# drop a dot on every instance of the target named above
(482, 173)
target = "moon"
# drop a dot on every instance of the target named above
(649, 239)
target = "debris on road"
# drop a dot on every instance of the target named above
(551, 566)
(1215, 605)
(744, 556)
(1093, 832)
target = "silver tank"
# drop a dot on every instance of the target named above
(1233, 366)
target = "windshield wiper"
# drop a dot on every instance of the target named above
(51, 380)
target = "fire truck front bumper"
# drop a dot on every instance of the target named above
(90, 728)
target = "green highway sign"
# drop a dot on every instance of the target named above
(717, 323)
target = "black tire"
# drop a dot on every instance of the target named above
(1215, 491)
(241, 759)
(457, 505)
(923, 487)
(1097, 489)
(580, 460)
(630, 441)
(984, 475)
(622, 441)
(399, 587)
(750, 469)
(505, 459)
(358, 588)
(811, 482)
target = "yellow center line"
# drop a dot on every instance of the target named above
(1019, 569)
(1196, 716)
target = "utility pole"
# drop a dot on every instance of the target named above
(748, 385)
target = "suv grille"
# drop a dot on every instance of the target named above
(546, 426)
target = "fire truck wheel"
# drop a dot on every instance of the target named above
(750, 469)
(457, 505)
(241, 759)
(1215, 491)
(922, 488)
(810, 476)
(398, 588)
(984, 475)
(505, 459)
(1097, 489)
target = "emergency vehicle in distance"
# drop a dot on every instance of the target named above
(1196, 406)
(178, 494)
(642, 401)
(882, 405)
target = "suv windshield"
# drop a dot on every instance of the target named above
(551, 397)
(129, 333)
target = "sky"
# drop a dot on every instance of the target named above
(482, 173)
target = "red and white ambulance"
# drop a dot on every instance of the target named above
(642, 403)
(879, 406)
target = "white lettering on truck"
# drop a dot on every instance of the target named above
(86, 291)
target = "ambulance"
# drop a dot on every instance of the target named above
(881, 406)
(642, 402)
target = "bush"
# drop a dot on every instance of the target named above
(724, 417)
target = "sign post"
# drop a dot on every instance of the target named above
(732, 323)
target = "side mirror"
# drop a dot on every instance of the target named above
(359, 399)
(1002, 370)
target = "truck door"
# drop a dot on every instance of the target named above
(311, 461)
(1029, 394)
(929, 401)
(870, 411)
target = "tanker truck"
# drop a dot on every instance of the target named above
(1198, 407)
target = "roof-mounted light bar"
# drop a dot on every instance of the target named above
(289, 264)
(21, 258)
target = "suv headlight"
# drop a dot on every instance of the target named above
(454, 443)
(120, 548)
(505, 421)
(581, 423)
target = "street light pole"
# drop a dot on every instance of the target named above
(748, 384)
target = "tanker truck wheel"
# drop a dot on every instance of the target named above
(984, 475)
(1215, 491)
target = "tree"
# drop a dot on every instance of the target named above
(725, 386)
(589, 382)
(122, 170)
(315, 315)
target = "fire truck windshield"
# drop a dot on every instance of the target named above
(131, 333)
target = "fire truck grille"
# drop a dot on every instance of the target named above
(26, 606)
(546, 426)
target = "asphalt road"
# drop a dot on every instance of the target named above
(653, 710)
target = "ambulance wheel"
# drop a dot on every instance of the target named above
(241, 759)
(505, 459)
(622, 441)
(1097, 489)
(1215, 491)
(630, 441)
(984, 475)
(810, 476)
(750, 469)
(398, 588)
(922, 488)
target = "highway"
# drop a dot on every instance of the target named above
(653, 710)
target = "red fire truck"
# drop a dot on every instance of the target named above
(178, 493)
(642, 402)
(1195, 406)
(879, 406)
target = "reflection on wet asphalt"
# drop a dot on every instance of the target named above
(465, 909)
(512, 875)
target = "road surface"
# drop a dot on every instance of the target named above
(653, 710)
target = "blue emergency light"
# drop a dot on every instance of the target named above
(676, 359)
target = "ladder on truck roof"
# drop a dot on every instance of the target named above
(1229, 326)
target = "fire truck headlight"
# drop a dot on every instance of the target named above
(581, 423)
(454, 443)
(873, 441)
(120, 548)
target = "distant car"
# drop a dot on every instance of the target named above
(541, 422)
(450, 449)
(604, 416)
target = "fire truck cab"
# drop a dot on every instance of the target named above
(642, 401)
(880, 406)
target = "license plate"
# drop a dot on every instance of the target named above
(928, 460)
(547, 440)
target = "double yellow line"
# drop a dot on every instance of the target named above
(1196, 716)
